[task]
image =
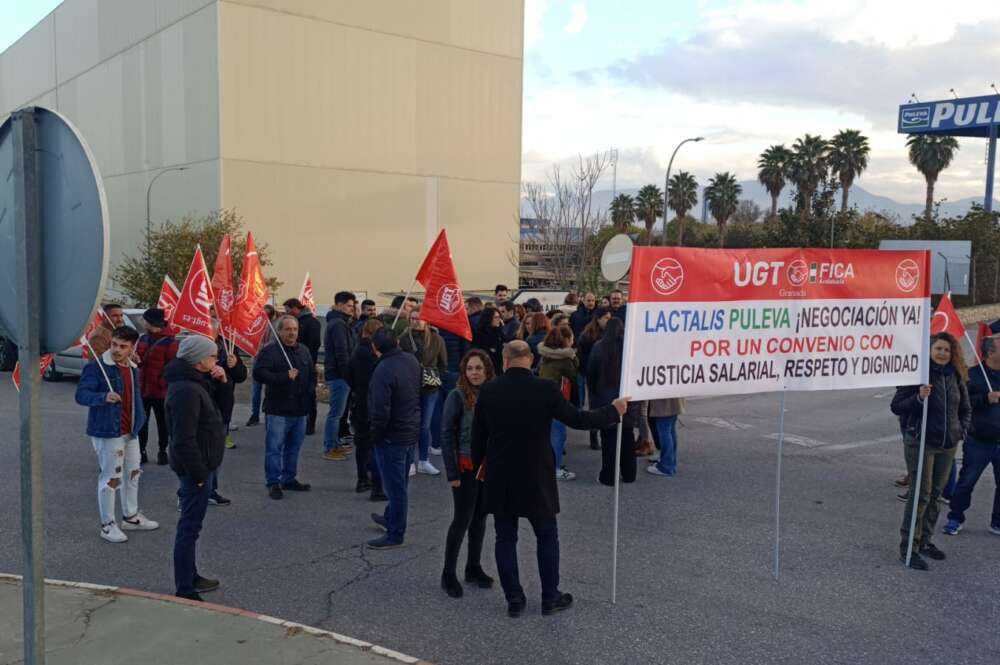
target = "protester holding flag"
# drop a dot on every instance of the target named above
(257, 388)
(560, 365)
(287, 370)
(311, 337)
(339, 344)
(488, 335)
(113, 317)
(157, 347)
(604, 376)
(456, 443)
(949, 413)
(110, 387)
(426, 344)
(982, 445)
(397, 316)
(359, 377)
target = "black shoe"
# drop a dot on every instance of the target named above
(254, 420)
(296, 486)
(217, 499)
(274, 491)
(595, 443)
(482, 580)
(449, 582)
(205, 584)
(379, 520)
(916, 561)
(515, 608)
(162, 459)
(383, 543)
(930, 550)
(191, 596)
(560, 603)
(143, 458)
(310, 431)
(364, 485)
(378, 495)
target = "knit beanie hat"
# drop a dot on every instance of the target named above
(195, 347)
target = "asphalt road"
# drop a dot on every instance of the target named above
(695, 580)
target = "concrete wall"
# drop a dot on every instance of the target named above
(353, 131)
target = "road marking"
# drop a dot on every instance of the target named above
(862, 444)
(797, 440)
(721, 423)
(884, 395)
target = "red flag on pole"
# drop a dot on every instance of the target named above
(222, 283)
(169, 295)
(946, 319)
(306, 296)
(193, 311)
(43, 364)
(444, 305)
(248, 319)
(983, 330)
(84, 339)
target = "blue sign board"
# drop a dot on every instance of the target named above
(970, 116)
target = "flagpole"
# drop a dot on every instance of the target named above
(979, 360)
(399, 310)
(614, 527)
(280, 344)
(100, 364)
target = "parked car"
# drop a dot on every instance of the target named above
(71, 361)
(8, 353)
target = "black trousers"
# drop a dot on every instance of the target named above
(363, 454)
(469, 518)
(547, 538)
(628, 463)
(311, 419)
(345, 427)
(162, 437)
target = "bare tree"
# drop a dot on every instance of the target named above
(562, 244)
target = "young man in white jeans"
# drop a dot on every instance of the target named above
(109, 386)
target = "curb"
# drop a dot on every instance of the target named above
(292, 628)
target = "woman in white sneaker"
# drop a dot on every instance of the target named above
(425, 342)
(109, 386)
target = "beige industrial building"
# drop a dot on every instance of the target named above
(345, 132)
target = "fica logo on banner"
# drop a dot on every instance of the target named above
(797, 273)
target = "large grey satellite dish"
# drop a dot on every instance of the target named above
(73, 218)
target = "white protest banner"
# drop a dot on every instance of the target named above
(718, 322)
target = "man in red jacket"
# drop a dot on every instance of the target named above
(156, 348)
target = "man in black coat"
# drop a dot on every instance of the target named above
(197, 445)
(310, 337)
(338, 343)
(510, 436)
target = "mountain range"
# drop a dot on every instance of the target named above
(860, 197)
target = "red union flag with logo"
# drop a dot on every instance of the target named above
(169, 295)
(249, 320)
(222, 283)
(193, 310)
(306, 296)
(717, 322)
(43, 364)
(444, 304)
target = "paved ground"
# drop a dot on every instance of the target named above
(694, 586)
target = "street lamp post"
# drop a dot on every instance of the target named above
(666, 183)
(149, 224)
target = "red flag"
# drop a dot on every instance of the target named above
(169, 295)
(43, 364)
(983, 331)
(92, 327)
(193, 311)
(306, 297)
(222, 283)
(444, 305)
(248, 319)
(945, 319)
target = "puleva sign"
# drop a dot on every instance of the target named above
(950, 116)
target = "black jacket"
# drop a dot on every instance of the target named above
(225, 393)
(282, 396)
(359, 376)
(579, 319)
(948, 409)
(197, 433)
(394, 400)
(491, 341)
(510, 431)
(339, 343)
(309, 334)
(985, 426)
(619, 313)
(456, 347)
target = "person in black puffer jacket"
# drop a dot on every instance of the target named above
(949, 413)
(359, 375)
(197, 446)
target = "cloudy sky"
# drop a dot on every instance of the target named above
(641, 75)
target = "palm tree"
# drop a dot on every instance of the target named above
(848, 158)
(808, 168)
(649, 206)
(682, 194)
(722, 196)
(772, 170)
(622, 212)
(931, 155)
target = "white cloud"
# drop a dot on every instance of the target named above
(577, 18)
(534, 17)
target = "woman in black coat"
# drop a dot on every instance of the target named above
(488, 336)
(949, 413)
(603, 381)
(359, 373)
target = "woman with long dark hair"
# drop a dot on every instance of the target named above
(540, 327)
(488, 335)
(949, 413)
(475, 369)
(590, 335)
(603, 380)
(560, 365)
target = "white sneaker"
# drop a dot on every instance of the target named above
(435, 451)
(413, 469)
(428, 468)
(652, 469)
(654, 458)
(565, 474)
(139, 522)
(233, 427)
(111, 533)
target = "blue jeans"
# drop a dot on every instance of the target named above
(194, 503)
(448, 382)
(581, 388)
(282, 441)
(949, 489)
(547, 538)
(339, 392)
(394, 467)
(557, 436)
(666, 431)
(427, 404)
(976, 456)
(256, 393)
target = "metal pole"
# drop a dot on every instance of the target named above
(399, 310)
(979, 361)
(614, 174)
(991, 161)
(917, 484)
(777, 486)
(27, 235)
(614, 528)
(666, 184)
(149, 223)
